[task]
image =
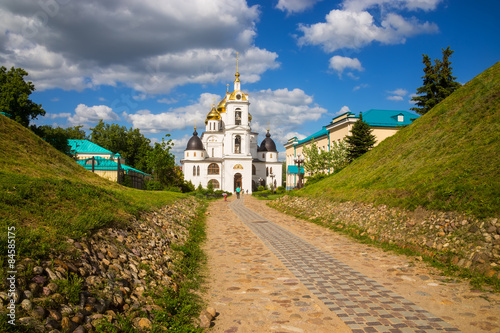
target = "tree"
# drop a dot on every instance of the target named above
(438, 83)
(325, 161)
(14, 96)
(162, 164)
(361, 139)
(130, 144)
(58, 137)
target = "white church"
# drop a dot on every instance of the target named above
(227, 155)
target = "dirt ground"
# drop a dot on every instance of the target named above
(252, 291)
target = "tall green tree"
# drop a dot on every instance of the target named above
(130, 144)
(325, 161)
(361, 139)
(14, 96)
(58, 137)
(162, 163)
(438, 82)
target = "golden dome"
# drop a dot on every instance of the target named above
(221, 107)
(238, 95)
(213, 115)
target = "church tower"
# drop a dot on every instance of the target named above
(230, 156)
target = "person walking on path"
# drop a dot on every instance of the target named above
(238, 190)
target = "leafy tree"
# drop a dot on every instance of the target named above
(14, 96)
(438, 82)
(322, 161)
(162, 163)
(361, 139)
(58, 137)
(337, 156)
(130, 144)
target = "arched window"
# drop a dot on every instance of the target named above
(267, 171)
(213, 152)
(254, 171)
(263, 155)
(213, 169)
(194, 170)
(237, 117)
(214, 182)
(198, 170)
(271, 170)
(237, 144)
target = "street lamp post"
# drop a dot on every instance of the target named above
(272, 175)
(299, 160)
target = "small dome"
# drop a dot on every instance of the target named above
(195, 142)
(213, 114)
(268, 144)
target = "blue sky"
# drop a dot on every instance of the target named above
(158, 65)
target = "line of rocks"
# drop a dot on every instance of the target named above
(467, 241)
(107, 273)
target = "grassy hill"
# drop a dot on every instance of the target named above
(47, 197)
(448, 159)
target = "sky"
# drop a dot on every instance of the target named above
(159, 65)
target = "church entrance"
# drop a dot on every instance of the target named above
(237, 181)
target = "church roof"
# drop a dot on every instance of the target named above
(195, 142)
(213, 115)
(268, 144)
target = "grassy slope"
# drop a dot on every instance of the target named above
(48, 197)
(448, 159)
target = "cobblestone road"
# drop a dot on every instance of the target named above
(275, 273)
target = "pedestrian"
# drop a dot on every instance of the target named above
(238, 190)
(225, 196)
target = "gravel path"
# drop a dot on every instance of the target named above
(269, 272)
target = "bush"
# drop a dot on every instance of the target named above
(153, 185)
(280, 189)
(261, 188)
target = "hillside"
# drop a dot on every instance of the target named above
(448, 159)
(47, 197)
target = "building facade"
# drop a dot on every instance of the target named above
(383, 123)
(227, 155)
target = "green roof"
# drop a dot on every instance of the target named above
(106, 165)
(318, 134)
(388, 118)
(86, 147)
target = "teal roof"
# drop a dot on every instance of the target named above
(86, 147)
(106, 165)
(388, 118)
(8, 115)
(318, 134)
(295, 169)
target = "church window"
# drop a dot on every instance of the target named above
(254, 171)
(198, 170)
(194, 154)
(237, 118)
(214, 183)
(271, 155)
(267, 172)
(263, 155)
(187, 155)
(213, 169)
(213, 152)
(237, 144)
(271, 170)
(201, 154)
(194, 170)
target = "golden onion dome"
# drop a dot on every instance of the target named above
(221, 107)
(213, 114)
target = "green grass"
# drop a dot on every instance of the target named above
(446, 160)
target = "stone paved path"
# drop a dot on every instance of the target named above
(285, 283)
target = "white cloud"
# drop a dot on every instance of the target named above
(92, 114)
(397, 95)
(395, 98)
(361, 86)
(295, 6)
(339, 64)
(342, 110)
(359, 5)
(353, 28)
(284, 110)
(148, 45)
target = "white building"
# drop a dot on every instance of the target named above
(227, 154)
